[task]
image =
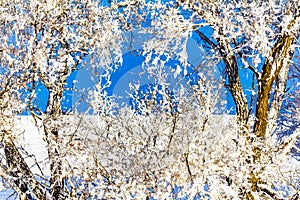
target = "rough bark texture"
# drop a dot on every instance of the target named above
(236, 90)
(53, 112)
(52, 128)
(234, 85)
(19, 174)
(17, 166)
(277, 61)
(274, 73)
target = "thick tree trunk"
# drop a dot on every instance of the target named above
(56, 182)
(17, 168)
(274, 71)
(236, 90)
(234, 86)
(53, 112)
(19, 173)
(52, 127)
(277, 63)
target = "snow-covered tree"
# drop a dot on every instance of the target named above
(171, 140)
(44, 42)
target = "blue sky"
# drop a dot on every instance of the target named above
(131, 69)
(129, 72)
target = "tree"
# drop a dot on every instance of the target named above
(44, 42)
(250, 33)
(170, 143)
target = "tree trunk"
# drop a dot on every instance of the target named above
(234, 86)
(274, 70)
(19, 173)
(236, 90)
(24, 179)
(52, 127)
(276, 64)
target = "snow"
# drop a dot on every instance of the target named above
(32, 141)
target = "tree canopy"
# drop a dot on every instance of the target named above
(168, 142)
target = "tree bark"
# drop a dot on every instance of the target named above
(234, 86)
(277, 62)
(274, 71)
(53, 112)
(24, 179)
(236, 90)
(51, 128)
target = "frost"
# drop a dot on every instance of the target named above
(70, 61)
(178, 71)
(171, 142)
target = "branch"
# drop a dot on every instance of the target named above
(235, 86)
(24, 178)
(207, 40)
(288, 145)
(186, 159)
(269, 193)
(273, 66)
